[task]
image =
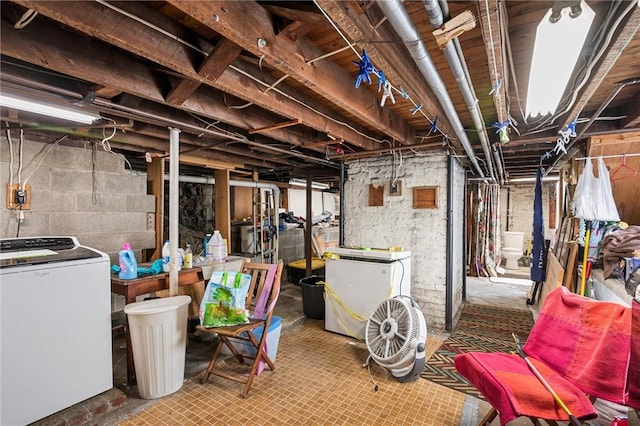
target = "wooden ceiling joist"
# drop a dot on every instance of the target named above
(323, 77)
(276, 126)
(104, 24)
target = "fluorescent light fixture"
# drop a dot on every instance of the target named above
(51, 110)
(303, 183)
(555, 53)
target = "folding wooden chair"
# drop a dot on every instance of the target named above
(582, 348)
(261, 299)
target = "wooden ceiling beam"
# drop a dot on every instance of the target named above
(211, 69)
(632, 109)
(276, 126)
(62, 53)
(249, 25)
(113, 28)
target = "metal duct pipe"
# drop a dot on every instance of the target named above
(498, 161)
(456, 64)
(399, 19)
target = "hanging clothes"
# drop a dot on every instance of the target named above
(538, 258)
(487, 230)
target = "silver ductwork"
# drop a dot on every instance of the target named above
(399, 19)
(436, 17)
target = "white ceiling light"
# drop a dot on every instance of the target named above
(302, 182)
(555, 53)
(63, 112)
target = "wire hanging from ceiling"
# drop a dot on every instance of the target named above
(416, 107)
(206, 54)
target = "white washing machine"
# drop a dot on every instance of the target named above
(358, 281)
(55, 340)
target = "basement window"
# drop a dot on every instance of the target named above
(560, 37)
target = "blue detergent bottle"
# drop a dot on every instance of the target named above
(128, 264)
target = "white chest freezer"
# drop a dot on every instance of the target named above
(55, 342)
(358, 281)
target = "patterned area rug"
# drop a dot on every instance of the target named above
(481, 328)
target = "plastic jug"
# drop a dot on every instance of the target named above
(166, 257)
(205, 245)
(166, 253)
(218, 247)
(128, 264)
(188, 257)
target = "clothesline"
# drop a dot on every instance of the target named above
(610, 156)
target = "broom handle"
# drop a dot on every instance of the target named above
(585, 255)
(573, 420)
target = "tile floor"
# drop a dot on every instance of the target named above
(319, 379)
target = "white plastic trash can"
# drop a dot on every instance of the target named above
(158, 330)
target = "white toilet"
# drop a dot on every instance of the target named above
(512, 243)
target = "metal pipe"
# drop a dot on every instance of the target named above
(275, 189)
(386, 150)
(448, 308)
(458, 69)
(498, 161)
(198, 130)
(399, 19)
(464, 238)
(174, 172)
(341, 186)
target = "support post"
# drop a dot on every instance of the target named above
(174, 173)
(223, 204)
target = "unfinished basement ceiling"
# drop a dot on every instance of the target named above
(269, 87)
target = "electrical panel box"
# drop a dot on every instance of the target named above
(18, 197)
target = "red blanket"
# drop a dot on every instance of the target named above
(634, 366)
(507, 383)
(586, 341)
(581, 347)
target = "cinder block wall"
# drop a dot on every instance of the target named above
(101, 203)
(397, 223)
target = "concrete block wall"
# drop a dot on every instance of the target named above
(102, 204)
(291, 245)
(397, 223)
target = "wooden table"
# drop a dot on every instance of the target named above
(130, 289)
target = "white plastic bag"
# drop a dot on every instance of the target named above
(583, 202)
(605, 204)
(593, 198)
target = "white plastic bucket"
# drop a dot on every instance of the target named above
(158, 330)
